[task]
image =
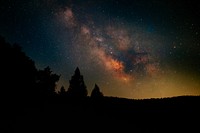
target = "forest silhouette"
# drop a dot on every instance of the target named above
(29, 103)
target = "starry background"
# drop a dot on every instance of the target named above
(131, 49)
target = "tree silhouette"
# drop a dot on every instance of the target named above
(96, 92)
(47, 82)
(18, 73)
(23, 84)
(77, 87)
(62, 95)
(62, 91)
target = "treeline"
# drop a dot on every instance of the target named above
(24, 88)
(23, 84)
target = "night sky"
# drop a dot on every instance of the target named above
(130, 48)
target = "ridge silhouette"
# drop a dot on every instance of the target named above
(29, 103)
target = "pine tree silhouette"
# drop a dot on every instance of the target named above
(62, 91)
(77, 87)
(96, 92)
(62, 95)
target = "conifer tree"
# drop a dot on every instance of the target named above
(96, 92)
(77, 87)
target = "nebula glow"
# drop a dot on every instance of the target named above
(112, 48)
(131, 49)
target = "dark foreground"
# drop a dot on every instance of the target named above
(176, 114)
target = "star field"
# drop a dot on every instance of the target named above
(132, 49)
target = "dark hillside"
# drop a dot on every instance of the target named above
(29, 103)
(150, 115)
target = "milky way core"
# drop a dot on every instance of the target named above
(131, 49)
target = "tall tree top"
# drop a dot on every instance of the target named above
(77, 71)
(77, 87)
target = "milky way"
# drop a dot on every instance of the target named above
(113, 47)
(132, 48)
